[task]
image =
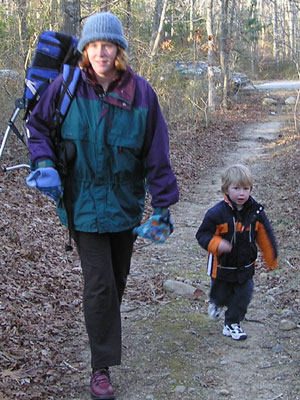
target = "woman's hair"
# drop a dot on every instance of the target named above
(120, 61)
(236, 174)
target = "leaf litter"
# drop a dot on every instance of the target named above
(44, 349)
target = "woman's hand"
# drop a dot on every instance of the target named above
(47, 181)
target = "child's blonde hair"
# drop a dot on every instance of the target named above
(236, 174)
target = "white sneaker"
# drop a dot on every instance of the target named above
(235, 331)
(214, 312)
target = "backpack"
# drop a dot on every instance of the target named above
(55, 53)
(54, 50)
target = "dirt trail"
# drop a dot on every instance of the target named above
(172, 350)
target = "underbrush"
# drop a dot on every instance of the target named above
(269, 69)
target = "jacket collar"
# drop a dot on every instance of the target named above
(250, 211)
(120, 93)
(250, 202)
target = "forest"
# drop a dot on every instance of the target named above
(171, 350)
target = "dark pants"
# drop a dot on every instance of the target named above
(105, 261)
(235, 296)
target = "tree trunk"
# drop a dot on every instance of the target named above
(262, 43)
(276, 34)
(191, 27)
(160, 29)
(71, 16)
(53, 14)
(224, 52)
(129, 28)
(292, 22)
(156, 18)
(210, 58)
(22, 27)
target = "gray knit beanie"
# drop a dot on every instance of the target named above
(102, 26)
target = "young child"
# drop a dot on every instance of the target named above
(229, 232)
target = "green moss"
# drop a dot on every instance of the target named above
(177, 333)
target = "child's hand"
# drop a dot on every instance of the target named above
(224, 246)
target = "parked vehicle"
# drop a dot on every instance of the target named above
(240, 80)
(190, 69)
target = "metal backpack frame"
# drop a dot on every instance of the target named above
(19, 105)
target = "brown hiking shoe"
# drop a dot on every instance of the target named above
(101, 388)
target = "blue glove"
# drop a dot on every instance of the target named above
(47, 181)
(158, 228)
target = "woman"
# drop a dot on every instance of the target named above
(121, 142)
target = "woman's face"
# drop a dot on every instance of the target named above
(102, 57)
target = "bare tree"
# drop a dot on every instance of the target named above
(211, 57)
(70, 11)
(261, 8)
(226, 34)
(53, 11)
(275, 33)
(161, 19)
(224, 51)
(191, 22)
(129, 22)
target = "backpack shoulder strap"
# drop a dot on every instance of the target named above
(71, 76)
(65, 151)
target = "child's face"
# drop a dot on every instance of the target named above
(239, 194)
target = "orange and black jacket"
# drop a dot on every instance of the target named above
(244, 229)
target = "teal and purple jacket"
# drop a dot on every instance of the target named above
(122, 146)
